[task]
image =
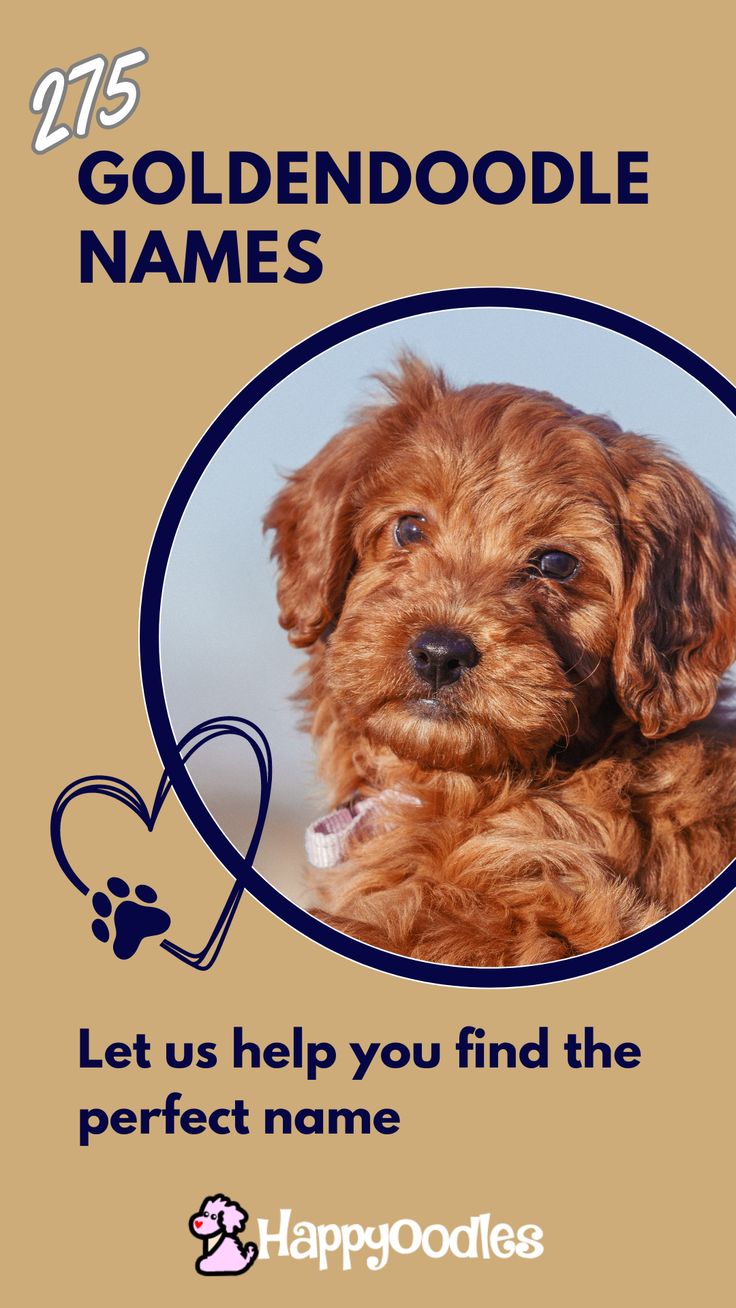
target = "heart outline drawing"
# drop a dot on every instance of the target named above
(121, 791)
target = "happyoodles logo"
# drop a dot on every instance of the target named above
(218, 1223)
(344, 1246)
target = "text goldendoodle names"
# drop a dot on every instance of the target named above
(317, 178)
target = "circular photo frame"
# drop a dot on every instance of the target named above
(167, 733)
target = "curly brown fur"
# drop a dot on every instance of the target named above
(554, 816)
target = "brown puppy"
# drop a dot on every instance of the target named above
(508, 606)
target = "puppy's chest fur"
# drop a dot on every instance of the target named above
(521, 870)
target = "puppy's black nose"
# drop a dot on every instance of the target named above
(440, 657)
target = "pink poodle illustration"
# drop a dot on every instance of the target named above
(217, 1223)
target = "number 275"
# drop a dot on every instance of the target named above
(48, 94)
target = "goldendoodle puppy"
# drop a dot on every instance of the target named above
(515, 613)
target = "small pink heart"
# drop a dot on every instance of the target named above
(197, 1224)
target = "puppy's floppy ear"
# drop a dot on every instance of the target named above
(677, 627)
(312, 519)
(313, 515)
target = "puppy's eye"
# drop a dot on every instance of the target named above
(408, 530)
(556, 565)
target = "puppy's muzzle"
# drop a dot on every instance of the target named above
(440, 657)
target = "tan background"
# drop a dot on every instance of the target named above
(628, 1172)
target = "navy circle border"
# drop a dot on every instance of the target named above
(151, 672)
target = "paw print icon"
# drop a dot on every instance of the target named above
(133, 920)
(126, 917)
